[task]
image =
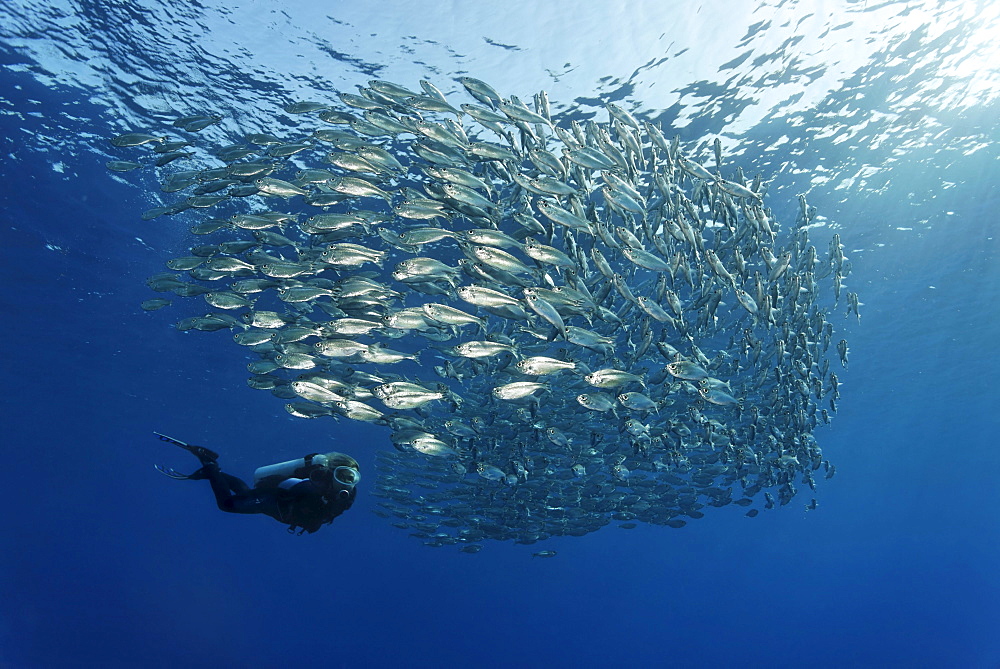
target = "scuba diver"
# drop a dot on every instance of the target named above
(305, 493)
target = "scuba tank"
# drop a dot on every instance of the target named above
(316, 466)
(301, 468)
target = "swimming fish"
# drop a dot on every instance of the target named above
(646, 338)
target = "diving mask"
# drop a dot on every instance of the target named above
(347, 476)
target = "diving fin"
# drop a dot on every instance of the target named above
(200, 452)
(171, 473)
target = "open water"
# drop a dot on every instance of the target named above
(884, 114)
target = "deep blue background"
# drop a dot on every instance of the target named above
(106, 563)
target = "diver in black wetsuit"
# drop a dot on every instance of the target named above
(305, 493)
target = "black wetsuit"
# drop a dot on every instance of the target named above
(306, 504)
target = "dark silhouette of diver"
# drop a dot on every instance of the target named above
(305, 493)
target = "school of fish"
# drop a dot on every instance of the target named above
(562, 326)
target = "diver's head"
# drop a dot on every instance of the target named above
(341, 474)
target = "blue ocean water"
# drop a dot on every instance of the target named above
(886, 114)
